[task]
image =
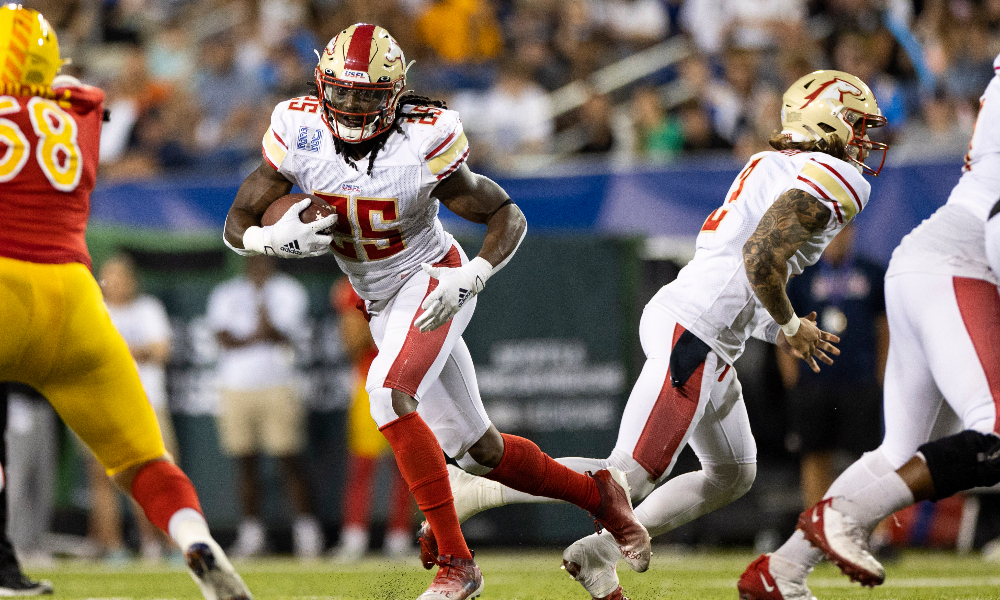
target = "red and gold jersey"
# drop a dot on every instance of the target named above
(49, 141)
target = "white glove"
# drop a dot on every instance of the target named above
(290, 237)
(455, 287)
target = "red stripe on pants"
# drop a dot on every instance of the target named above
(979, 304)
(668, 421)
(420, 350)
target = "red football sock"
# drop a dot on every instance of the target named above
(400, 505)
(357, 508)
(421, 462)
(527, 469)
(162, 489)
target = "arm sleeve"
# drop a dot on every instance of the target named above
(445, 149)
(836, 184)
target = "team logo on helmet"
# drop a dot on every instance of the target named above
(359, 92)
(836, 88)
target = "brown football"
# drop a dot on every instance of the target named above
(317, 210)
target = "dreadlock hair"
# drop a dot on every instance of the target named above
(409, 99)
(834, 147)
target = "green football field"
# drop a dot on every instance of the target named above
(531, 575)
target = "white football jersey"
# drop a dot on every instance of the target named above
(387, 222)
(952, 240)
(712, 296)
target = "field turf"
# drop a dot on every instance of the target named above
(533, 575)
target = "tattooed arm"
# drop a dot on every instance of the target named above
(786, 225)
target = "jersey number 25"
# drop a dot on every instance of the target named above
(57, 152)
(357, 235)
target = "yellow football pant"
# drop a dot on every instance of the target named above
(56, 336)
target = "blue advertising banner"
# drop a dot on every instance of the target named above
(664, 202)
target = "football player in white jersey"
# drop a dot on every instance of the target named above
(944, 317)
(384, 161)
(779, 214)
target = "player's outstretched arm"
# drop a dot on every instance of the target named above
(786, 225)
(243, 232)
(478, 199)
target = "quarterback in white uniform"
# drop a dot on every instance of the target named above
(778, 216)
(384, 161)
(944, 319)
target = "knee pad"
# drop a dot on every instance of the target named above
(962, 461)
(380, 404)
(469, 465)
(734, 479)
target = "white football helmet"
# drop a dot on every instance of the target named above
(360, 76)
(827, 103)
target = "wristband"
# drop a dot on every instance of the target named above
(481, 269)
(253, 239)
(792, 326)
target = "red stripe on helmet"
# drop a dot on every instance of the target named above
(360, 49)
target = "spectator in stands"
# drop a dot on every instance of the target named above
(258, 319)
(596, 123)
(941, 132)
(697, 129)
(366, 446)
(658, 136)
(33, 517)
(633, 23)
(461, 35)
(838, 410)
(222, 90)
(511, 119)
(747, 24)
(132, 95)
(142, 321)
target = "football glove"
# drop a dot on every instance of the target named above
(290, 237)
(455, 287)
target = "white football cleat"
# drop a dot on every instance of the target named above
(591, 561)
(841, 539)
(213, 573)
(473, 494)
(759, 582)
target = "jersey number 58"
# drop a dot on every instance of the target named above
(57, 152)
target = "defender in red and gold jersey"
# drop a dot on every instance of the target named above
(58, 337)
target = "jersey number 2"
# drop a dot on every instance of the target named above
(356, 220)
(715, 219)
(57, 153)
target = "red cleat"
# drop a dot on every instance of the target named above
(456, 579)
(428, 546)
(758, 583)
(840, 538)
(615, 514)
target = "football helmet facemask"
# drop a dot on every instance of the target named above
(826, 103)
(360, 77)
(29, 50)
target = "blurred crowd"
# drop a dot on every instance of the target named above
(191, 83)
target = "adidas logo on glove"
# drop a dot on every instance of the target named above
(292, 247)
(463, 295)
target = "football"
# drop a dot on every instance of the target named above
(317, 210)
